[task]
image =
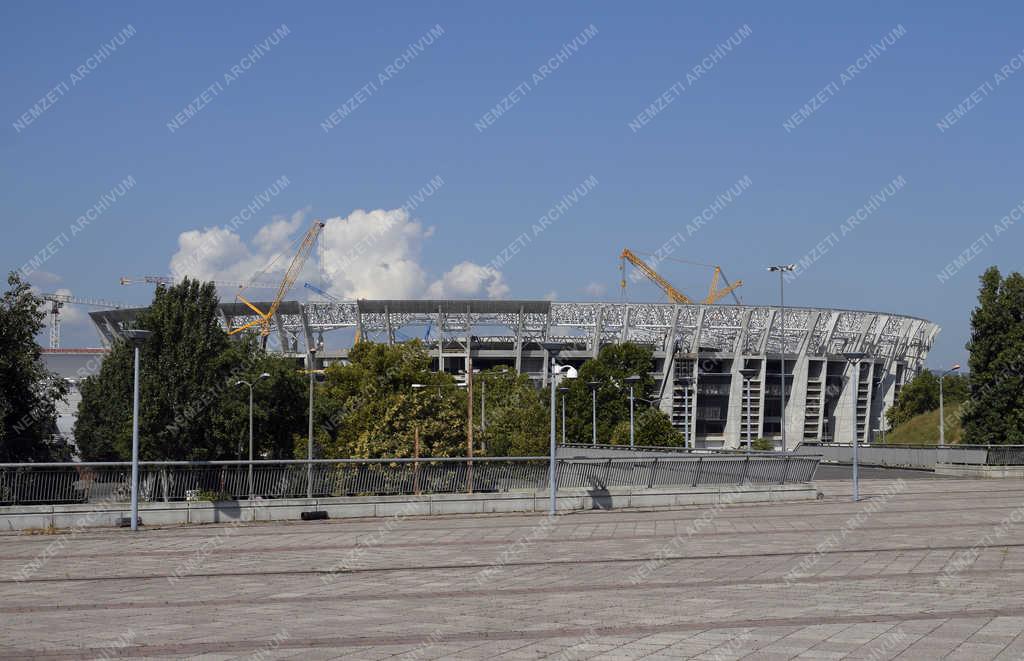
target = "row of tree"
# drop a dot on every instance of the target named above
(989, 401)
(193, 405)
(193, 408)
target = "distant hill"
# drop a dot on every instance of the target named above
(923, 429)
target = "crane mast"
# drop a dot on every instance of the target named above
(674, 294)
(290, 276)
(57, 301)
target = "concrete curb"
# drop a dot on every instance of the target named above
(24, 517)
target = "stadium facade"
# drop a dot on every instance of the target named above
(717, 368)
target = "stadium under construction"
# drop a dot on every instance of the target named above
(717, 368)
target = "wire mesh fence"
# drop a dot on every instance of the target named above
(229, 480)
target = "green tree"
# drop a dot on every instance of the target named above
(614, 363)
(650, 427)
(995, 412)
(921, 395)
(189, 405)
(368, 407)
(517, 418)
(28, 392)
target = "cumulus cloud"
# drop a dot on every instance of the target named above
(466, 279)
(595, 290)
(367, 254)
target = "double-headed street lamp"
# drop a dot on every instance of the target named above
(553, 349)
(782, 269)
(854, 358)
(135, 337)
(942, 416)
(238, 383)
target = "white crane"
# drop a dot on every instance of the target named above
(57, 301)
(168, 280)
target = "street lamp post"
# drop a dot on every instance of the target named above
(631, 380)
(942, 416)
(311, 365)
(782, 269)
(552, 349)
(137, 338)
(593, 410)
(854, 358)
(238, 383)
(468, 373)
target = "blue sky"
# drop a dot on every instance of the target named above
(727, 123)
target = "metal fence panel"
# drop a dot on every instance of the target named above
(176, 481)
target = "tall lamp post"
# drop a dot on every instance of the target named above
(238, 383)
(136, 338)
(782, 269)
(942, 416)
(632, 381)
(311, 366)
(552, 349)
(854, 358)
(593, 410)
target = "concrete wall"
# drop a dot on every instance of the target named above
(177, 513)
(985, 472)
(894, 456)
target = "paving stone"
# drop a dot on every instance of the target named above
(758, 581)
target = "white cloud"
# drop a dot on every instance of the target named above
(551, 296)
(367, 254)
(466, 279)
(595, 290)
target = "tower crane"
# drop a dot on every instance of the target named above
(57, 301)
(168, 280)
(305, 246)
(715, 294)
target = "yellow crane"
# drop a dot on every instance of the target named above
(714, 293)
(674, 294)
(290, 276)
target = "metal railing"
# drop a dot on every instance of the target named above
(670, 449)
(51, 483)
(919, 456)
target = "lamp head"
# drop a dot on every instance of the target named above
(136, 336)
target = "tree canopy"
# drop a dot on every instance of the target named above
(614, 363)
(368, 407)
(28, 392)
(190, 407)
(995, 413)
(921, 395)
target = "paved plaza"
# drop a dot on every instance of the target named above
(921, 569)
